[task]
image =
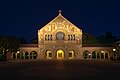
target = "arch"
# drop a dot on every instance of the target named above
(102, 55)
(98, 55)
(60, 35)
(93, 55)
(60, 54)
(18, 55)
(26, 55)
(22, 55)
(33, 55)
(106, 55)
(86, 54)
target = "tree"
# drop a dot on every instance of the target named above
(1, 54)
(35, 41)
(108, 38)
(88, 38)
(116, 52)
(23, 40)
(8, 44)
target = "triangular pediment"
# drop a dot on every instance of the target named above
(58, 23)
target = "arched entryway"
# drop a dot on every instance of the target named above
(106, 55)
(33, 55)
(94, 55)
(60, 54)
(86, 55)
(26, 55)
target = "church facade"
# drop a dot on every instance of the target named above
(61, 39)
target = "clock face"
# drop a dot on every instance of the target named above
(60, 36)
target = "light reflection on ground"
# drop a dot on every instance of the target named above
(60, 70)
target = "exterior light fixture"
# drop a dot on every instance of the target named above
(18, 51)
(102, 51)
(114, 49)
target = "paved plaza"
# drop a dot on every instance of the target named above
(59, 70)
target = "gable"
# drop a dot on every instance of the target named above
(60, 23)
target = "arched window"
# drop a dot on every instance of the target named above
(73, 37)
(51, 37)
(60, 36)
(45, 37)
(68, 37)
(48, 37)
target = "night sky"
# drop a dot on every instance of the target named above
(24, 17)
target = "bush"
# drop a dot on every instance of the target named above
(2, 57)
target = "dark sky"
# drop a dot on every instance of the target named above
(25, 17)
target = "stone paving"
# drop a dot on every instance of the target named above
(59, 70)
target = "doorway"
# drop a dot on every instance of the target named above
(60, 54)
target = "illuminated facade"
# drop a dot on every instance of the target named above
(60, 39)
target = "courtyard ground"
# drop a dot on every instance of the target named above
(59, 70)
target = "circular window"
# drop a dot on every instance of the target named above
(60, 36)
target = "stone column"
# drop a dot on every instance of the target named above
(96, 55)
(12, 56)
(108, 55)
(32, 55)
(100, 55)
(20, 55)
(24, 55)
(104, 55)
(15, 55)
(28, 55)
(65, 54)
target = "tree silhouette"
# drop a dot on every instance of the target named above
(8, 44)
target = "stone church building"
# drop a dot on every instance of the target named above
(61, 39)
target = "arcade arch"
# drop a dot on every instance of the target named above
(96, 55)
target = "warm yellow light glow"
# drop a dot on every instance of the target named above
(71, 56)
(89, 54)
(60, 54)
(102, 51)
(114, 49)
(18, 51)
(48, 55)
